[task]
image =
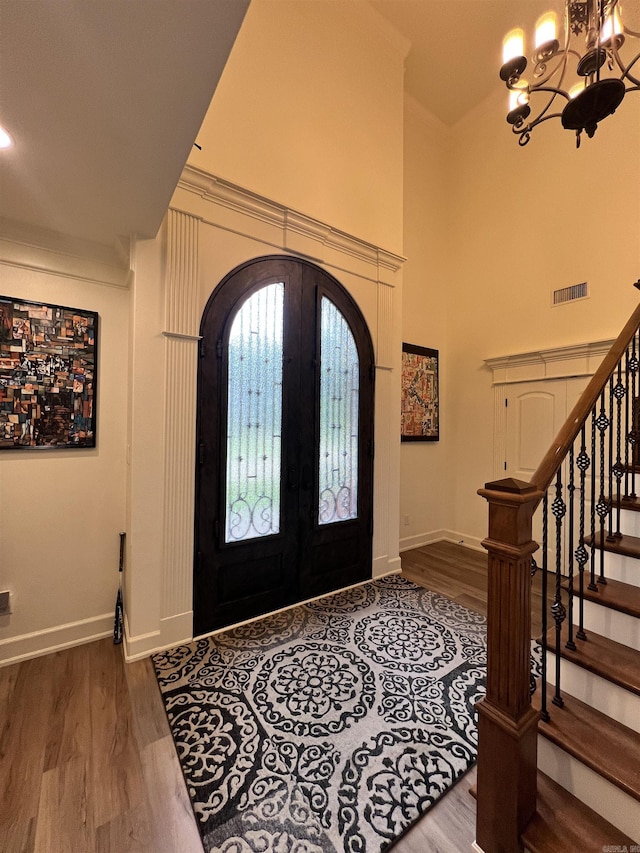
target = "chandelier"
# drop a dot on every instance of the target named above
(579, 75)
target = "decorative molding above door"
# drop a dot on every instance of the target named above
(552, 363)
(281, 227)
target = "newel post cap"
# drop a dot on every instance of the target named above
(511, 490)
(510, 484)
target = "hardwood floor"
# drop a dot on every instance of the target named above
(461, 574)
(87, 764)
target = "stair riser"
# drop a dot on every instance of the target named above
(621, 568)
(629, 521)
(599, 794)
(612, 624)
(614, 701)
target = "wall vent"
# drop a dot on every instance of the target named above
(570, 294)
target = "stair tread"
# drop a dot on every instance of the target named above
(616, 595)
(614, 661)
(563, 824)
(632, 504)
(593, 738)
(628, 546)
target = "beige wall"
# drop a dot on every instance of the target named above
(527, 221)
(307, 112)
(61, 511)
(426, 481)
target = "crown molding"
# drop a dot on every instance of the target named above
(288, 222)
(28, 247)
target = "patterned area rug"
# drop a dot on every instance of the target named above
(329, 727)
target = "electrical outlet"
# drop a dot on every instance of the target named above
(405, 520)
(5, 603)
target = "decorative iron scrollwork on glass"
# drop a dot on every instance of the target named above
(339, 403)
(255, 416)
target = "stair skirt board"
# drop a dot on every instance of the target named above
(593, 790)
(610, 699)
(612, 624)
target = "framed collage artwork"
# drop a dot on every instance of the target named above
(48, 369)
(420, 414)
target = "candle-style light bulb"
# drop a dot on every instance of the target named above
(612, 26)
(513, 45)
(518, 97)
(546, 29)
(575, 90)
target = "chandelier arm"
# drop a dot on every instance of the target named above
(626, 72)
(524, 133)
(553, 90)
(560, 67)
(538, 120)
(629, 32)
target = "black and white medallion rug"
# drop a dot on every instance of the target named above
(328, 727)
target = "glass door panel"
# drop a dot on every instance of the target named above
(254, 421)
(339, 403)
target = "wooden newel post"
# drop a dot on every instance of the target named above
(507, 724)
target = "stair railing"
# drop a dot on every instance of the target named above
(593, 455)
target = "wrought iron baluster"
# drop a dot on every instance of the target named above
(592, 509)
(558, 610)
(619, 392)
(610, 536)
(633, 430)
(627, 428)
(602, 507)
(571, 490)
(545, 567)
(532, 679)
(583, 462)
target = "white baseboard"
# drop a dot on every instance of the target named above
(174, 631)
(385, 566)
(422, 539)
(49, 640)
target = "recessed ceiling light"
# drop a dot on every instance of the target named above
(5, 139)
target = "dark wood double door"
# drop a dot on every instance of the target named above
(284, 479)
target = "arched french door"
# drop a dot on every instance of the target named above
(284, 480)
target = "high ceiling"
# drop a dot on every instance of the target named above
(95, 93)
(456, 47)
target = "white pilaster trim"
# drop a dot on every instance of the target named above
(181, 353)
(384, 333)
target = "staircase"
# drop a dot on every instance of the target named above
(559, 767)
(590, 746)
